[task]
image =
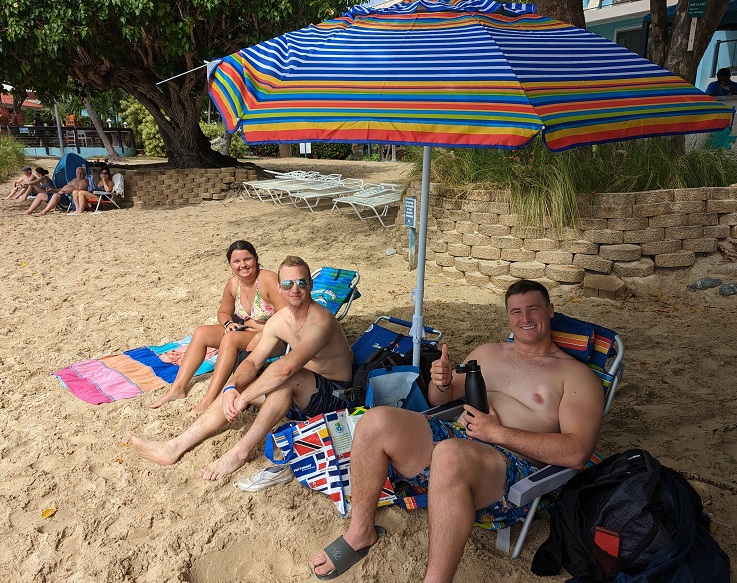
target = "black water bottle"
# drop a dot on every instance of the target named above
(475, 385)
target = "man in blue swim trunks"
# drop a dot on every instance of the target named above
(310, 379)
(545, 407)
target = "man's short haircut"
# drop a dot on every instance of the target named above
(294, 261)
(25, 168)
(526, 285)
(724, 72)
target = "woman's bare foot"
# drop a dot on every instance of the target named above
(171, 395)
(225, 465)
(156, 451)
(202, 406)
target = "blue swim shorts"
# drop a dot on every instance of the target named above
(503, 512)
(324, 400)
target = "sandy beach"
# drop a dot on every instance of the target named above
(74, 288)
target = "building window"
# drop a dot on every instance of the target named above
(630, 39)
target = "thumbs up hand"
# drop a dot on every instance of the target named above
(441, 371)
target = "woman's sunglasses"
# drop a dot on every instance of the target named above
(287, 284)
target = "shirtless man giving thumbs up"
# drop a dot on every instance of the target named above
(545, 407)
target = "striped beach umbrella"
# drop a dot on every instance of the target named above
(452, 73)
(468, 73)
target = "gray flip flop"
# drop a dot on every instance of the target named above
(343, 556)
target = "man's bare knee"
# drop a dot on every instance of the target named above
(383, 421)
(453, 457)
(470, 464)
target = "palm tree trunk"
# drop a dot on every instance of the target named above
(112, 155)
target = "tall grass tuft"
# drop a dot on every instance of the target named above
(11, 156)
(543, 185)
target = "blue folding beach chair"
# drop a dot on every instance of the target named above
(335, 289)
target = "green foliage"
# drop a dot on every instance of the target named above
(11, 156)
(331, 151)
(144, 128)
(213, 131)
(133, 44)
(265, 150)
(543, 184)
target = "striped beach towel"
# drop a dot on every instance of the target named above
(128, 374)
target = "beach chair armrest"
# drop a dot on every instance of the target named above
(448, 412)
(541, 482)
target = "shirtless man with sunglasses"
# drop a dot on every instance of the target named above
(308, 380)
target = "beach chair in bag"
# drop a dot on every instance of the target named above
(602, 350)
(388, 332)
(335, 289)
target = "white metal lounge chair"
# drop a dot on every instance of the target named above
(279, 190)
(377, 200)
(311, 198)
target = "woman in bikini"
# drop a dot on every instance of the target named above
(38, 185)
(250, 298)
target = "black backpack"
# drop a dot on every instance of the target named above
(387, 358)
(633, 519)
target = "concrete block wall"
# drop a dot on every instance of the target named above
(176, 187)
(477, 238)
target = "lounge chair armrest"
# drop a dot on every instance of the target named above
(448, 412)
(541, 482)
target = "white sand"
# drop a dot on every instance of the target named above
(79, 287)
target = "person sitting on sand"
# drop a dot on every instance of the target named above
(38, 185)
(545, 407)
(308, 380)
(82, 197)
(21, 184)
(52, 196)
(249, 299)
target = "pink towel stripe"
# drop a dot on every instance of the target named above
(117, 385)
(81, 388)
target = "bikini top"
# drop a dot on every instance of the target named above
(260, 310)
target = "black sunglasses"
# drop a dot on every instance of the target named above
(287, 284)
(104, 172)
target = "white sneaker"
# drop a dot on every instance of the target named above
(265, 478)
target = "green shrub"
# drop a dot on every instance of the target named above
(331, 151)
(11, 156)
(265, 150)
(144, 127)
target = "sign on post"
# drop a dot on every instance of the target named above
(410, 218)
(410, 206)
(696, 8)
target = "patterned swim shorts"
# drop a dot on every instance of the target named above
(324, 400)
(500, 514)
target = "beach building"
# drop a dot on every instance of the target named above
(628, 23)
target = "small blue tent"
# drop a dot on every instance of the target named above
(66, 169)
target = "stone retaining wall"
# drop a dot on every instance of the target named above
(176, 187)
(476, 238)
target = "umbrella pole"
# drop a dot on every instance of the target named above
(418, 320)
